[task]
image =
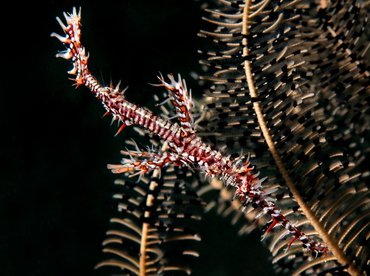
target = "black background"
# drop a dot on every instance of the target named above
(55, 190)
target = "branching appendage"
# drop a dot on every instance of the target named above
(186, 148)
